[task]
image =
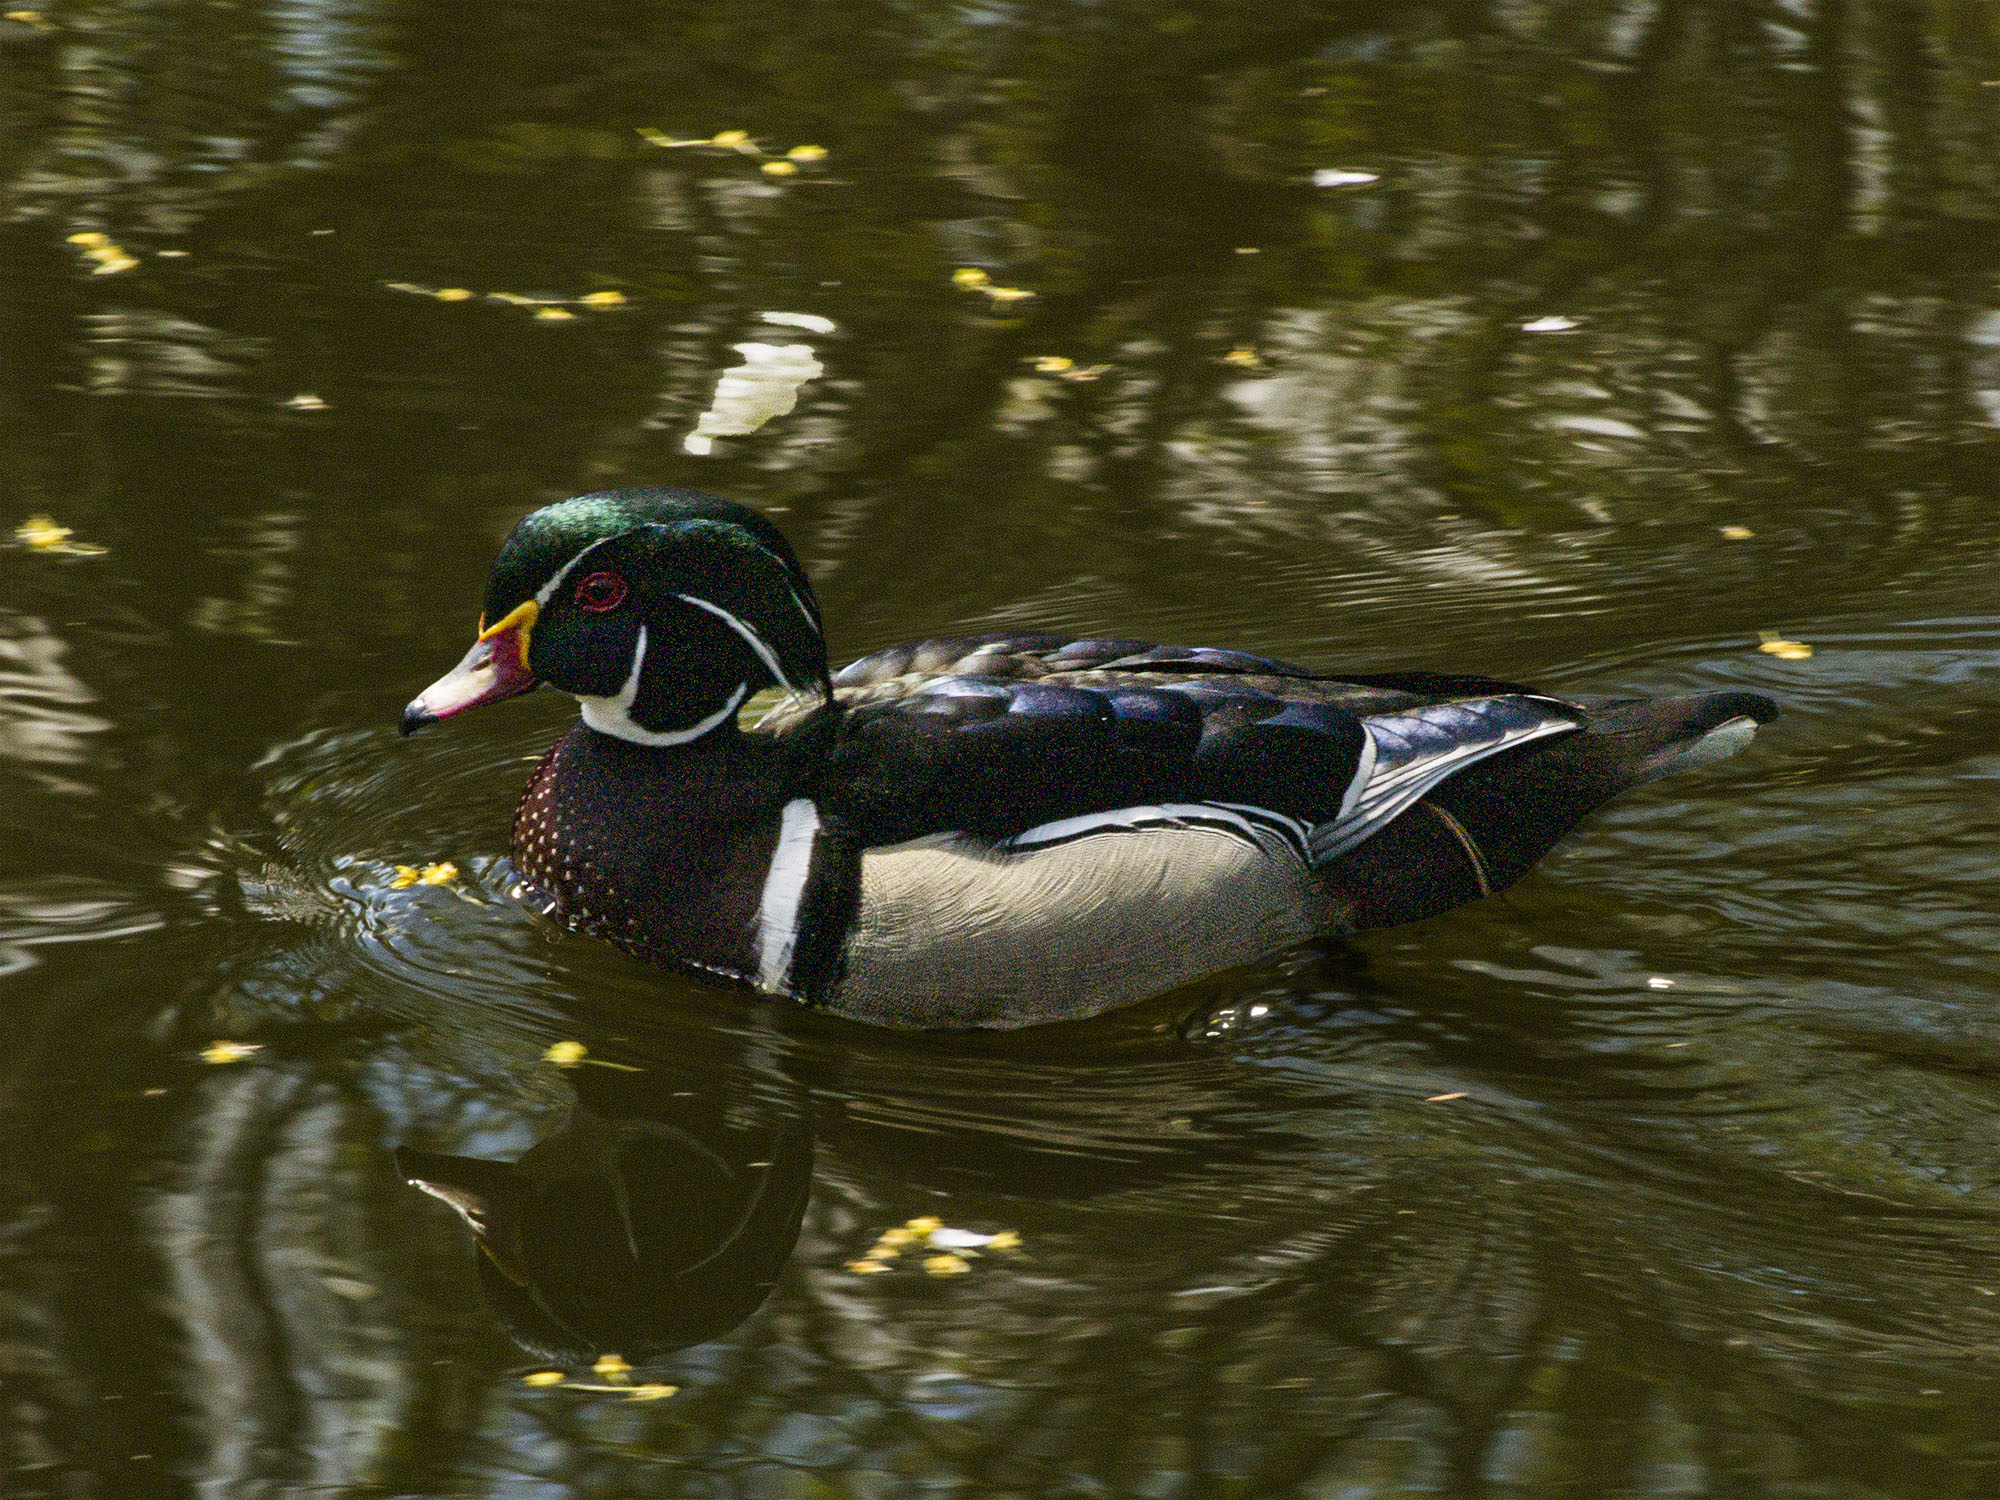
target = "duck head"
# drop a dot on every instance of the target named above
(660, 610)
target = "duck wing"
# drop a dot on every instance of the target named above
(1023, 741)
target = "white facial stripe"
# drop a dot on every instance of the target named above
(613, 716)
(629, 693)
(797, 598)
(778, 911)
(548, 590)
(750, 637)
(806, 610)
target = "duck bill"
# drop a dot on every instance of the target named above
(496, 667)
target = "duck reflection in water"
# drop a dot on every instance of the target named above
(646, 1224)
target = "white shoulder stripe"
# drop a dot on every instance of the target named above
(750, 638)
(784, 886)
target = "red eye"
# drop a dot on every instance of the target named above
(601, 591)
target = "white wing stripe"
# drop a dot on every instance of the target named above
(1238, 819)
(1390, 792)
(1364, 768)
(1298, 829)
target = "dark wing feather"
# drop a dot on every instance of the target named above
(996, 735)
(994, 758)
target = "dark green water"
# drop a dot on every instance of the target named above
(1714, 1205)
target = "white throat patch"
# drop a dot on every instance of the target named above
(613, 715)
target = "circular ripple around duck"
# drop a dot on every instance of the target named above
(334, 819)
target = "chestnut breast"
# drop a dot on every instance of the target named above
(662, 852)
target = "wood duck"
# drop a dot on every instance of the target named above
(994, 830)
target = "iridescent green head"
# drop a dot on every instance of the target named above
(661, 610)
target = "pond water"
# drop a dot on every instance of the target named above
(1587, 344)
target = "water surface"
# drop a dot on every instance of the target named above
(1585, 344)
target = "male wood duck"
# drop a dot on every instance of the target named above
(994, 830)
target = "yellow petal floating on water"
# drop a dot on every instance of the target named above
(443, 873)
(566, 1054)
(1007, 293)
(454, 294)
(807, 153)
(1738, 533)
(1054, 364)
(405, 877)
(306, 401)
(43, 534)
(554, 314)
(612, 1367)
(603, 299)
(111, 257)
(229, 1052)
(969, 276)
(543, 1377)
(1786, 650)
(652, 1391)
(654, 137)
(955, 1248)
(780, 169)
(734, 139)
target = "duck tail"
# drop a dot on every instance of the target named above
(1483, 829)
